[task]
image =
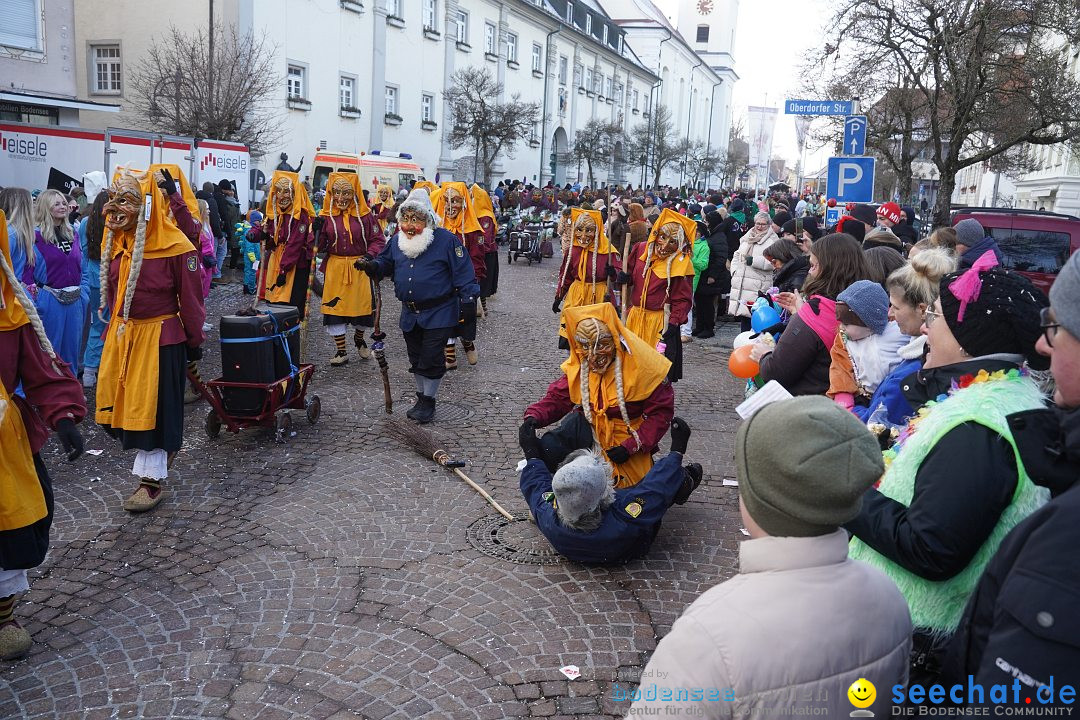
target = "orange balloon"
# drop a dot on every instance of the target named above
(740, 364)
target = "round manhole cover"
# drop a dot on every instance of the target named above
(452, 412)
(518, 541)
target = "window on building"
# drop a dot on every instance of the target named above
(511, 47)
(637, 97)
(430, 7)
(605, 34)
(570, 13)
(588, 23)
(490, 33)
(393, 7)
(537, 57)
(703, 33)
(106, 69)
(619, 93)
(347, 92)
(20, 28)
(297, 81)
(391, 100)
(462, 19)
(562, 69)
(610, 87)
(577, 75)
(427, 107)
(589, 79)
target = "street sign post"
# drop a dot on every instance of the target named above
(832, 216)
(855, 135)
(818, 107)
(851, 179)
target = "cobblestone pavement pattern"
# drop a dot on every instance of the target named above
(331, 576)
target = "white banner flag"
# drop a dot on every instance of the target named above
(762, 121)
(802, 124)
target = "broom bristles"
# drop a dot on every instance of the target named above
(416, 438)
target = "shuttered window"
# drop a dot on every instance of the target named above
(20, 24)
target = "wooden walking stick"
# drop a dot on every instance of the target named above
(423, 444)
(378, 349)
(627, 285)
(307, 304)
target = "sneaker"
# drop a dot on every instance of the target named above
(15, 642)
(143, 499)
(89, 377)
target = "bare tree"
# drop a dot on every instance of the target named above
(479, 120)
(737, 159)
(180, 87)
(701, 162)
(985, 77)
(594, 145)
(654, 141)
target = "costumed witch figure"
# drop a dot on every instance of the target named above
(285, 237)
(51, 397)
(454, 204)
(152, 288)
(383, 207)
(347, 231)
(586, 269)
(433, 278)
(614, 393)
(661, 277)
(485, 215)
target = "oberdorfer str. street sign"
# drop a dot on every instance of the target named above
(818, 107)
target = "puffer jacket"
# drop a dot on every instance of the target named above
(794, 629)
(748, 280)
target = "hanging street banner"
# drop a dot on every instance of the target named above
(818, 107)
(762, 121)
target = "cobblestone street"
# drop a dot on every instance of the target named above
(339, 575)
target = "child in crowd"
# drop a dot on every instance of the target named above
(250, 252)
(866, 346)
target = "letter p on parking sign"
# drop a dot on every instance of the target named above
(851, 179)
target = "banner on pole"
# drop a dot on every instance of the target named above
(762, 122)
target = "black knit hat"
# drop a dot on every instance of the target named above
(1003, 317)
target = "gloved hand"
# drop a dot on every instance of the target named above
(623, 278)
(167, 183)
(555, 305)
(70, 438)
(209, 261)
(618, 454)
(317, 223)
(194, 354)
(611, 272)
(282, 278)
(680, 435)
(364, 265)
(530, 444)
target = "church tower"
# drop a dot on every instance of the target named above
(709, 26)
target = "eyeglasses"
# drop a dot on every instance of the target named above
(1048, 326)
(930, 317)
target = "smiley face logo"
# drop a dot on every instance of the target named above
(862, 693)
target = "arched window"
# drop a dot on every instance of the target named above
(703, 33)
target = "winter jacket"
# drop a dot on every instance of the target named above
(748, 280)
(215, 213)
(940, 509)
(715, 278)
(735, 226)
(882, 237)
(890, 392)
(792, 275)
(1022, 614)
(979, 249)
(794, 629)
(699, 259)
(801, 360)
(906, 233)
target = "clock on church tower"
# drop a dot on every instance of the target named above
(705, 6)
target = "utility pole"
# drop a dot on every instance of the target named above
(210, 61)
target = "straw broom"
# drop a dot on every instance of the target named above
(423, 444)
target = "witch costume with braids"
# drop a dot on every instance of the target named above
(347, 231)
(454, 204)
(661, 274)
(152, 287)
(51, 398)
(586, 268)
(613, 393)
(285, 238)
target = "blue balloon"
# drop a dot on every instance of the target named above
(764, 318)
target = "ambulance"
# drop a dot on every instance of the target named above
(378, 167)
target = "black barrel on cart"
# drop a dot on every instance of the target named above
(258, 348)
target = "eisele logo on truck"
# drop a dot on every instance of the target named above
(224, 162)
(33, 148)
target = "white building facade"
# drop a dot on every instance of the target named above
(363, 75)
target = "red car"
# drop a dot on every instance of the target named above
(1034, 243)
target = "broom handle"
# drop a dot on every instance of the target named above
(483, 493)
(626, 286)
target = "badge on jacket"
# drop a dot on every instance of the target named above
(634, 509)
(459, 251)
(192, 266)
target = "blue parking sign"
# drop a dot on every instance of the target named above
(851, 179)
(832, 216)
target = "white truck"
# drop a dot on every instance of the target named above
(31, 154)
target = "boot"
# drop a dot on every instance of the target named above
(146, 496)
(691, 480)
(470, 352)
(339, 359)
(450, 353)
(361, 346)
(425, 412)
(411, 414)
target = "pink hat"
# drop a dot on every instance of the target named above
(890, 211)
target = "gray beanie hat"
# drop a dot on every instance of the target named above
(582, 485)
(869, 301)
(812, 482)
(969, 232)
(1065, 296)
(420, 199)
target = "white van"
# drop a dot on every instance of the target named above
(376, 168)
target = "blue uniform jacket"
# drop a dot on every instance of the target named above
(629, 525)
(444, 270)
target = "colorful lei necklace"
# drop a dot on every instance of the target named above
(960, 383)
